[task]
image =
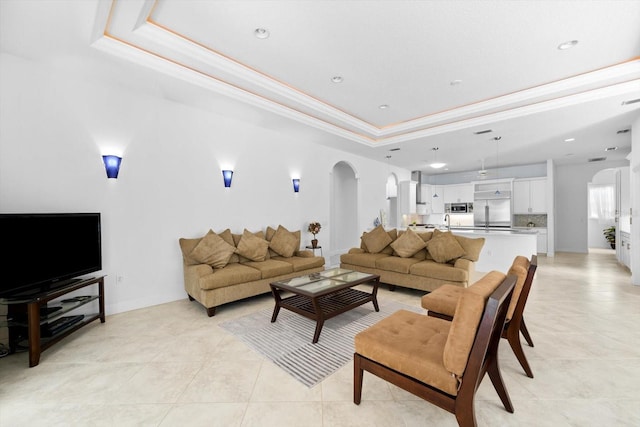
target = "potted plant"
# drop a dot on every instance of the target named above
(610, 235)
(314, 228)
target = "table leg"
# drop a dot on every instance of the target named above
(277, 298)
(319, 319)
(33, 320)
(374, 294)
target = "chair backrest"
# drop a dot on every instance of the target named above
(466, 321)
(488, 336)
(524, 270)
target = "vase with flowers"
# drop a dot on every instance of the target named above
(314, 228)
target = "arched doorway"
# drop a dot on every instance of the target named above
(344, 211)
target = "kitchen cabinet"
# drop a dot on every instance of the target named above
(407, 197)
(542, 240)
(625, 249)
(458, 193)
(530, 196)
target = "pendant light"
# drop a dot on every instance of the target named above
(496, 139)
(435, 179)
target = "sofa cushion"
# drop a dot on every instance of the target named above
(439, 271)
(186, 246)
(301, 263)
(410, 343)
(284, 242)
(397, 264)
(472, 247)
(444, 247)
(270, 268)
(376, 240)
(252, 247)
(212, 250)
(231, 274)
(408, 244)
(228, 237)
(466, 321)
(363, 260)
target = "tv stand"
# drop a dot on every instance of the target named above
(37, 315)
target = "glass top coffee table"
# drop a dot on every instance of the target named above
(321, 296)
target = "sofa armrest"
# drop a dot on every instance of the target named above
(356, 251)
(465, 264)
(305, 254)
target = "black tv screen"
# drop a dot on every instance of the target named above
(45, 250)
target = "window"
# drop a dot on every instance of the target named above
(602, 201)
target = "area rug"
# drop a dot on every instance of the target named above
(287, 342)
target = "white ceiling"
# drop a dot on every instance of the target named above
(514, 79)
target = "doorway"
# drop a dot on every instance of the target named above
(344, 211)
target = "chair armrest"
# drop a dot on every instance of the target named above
(356, 251)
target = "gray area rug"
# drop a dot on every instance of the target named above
(287, 342)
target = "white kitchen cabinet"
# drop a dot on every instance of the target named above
(542, 240)
(458, 193)
(407, 197)
(530, 196)
(625, 249)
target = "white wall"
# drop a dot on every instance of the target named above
(571, 231)
(55, 126)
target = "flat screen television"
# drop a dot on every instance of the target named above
(46, 250)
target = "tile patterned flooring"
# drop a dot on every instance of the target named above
(171, 365)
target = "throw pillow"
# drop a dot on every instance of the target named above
(212, 250)
(444, 247)
(408, 244)
(252, 247)
(284, 242)
(393, 234)
(472, 247)
(376, 240)
(228, 237)
(186, 246)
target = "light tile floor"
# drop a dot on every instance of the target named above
(171, 365)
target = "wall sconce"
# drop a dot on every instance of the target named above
(296, 185)
(112, 165)
(227, 175)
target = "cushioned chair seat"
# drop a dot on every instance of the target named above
(362, 259)
(397, 264)
(443, 300)
(302, 263)
(410, 343)
(231, 274)
(439, 271)
(270, 268)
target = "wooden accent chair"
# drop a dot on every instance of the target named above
(440, 361)
(442, 302)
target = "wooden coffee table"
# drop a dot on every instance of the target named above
(321, 296)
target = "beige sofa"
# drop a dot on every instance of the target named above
(224, 267)
(422, 261)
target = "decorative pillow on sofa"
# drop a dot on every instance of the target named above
(376, 240)
(444, 247)
(212, 250)
(268, 235)
(252, 247)
(472, 247)
(284, 242)
(228, 237)
(408, 244)
(393, 234)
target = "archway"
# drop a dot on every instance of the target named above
(601, 200)
(344, 211)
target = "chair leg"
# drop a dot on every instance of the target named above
(493, 369)
(513, 336)
(465, 412)
(357, 379)
(525, 333)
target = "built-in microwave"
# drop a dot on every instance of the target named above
(458, 207)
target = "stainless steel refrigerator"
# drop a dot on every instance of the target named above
(492, 210)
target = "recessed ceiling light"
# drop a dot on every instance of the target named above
(383, 106)
(261, 33)
(611, 149)
(567, 45)
(337, 79)
(455, 82)
(569, 140)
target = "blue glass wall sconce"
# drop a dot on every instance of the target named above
(296, 185)
(227, 175)
(112, 165)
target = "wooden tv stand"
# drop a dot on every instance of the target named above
(36, 318)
